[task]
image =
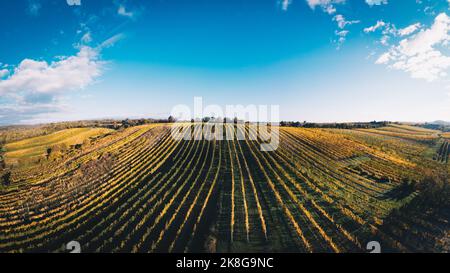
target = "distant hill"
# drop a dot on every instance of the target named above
(441, 123)
(438, 125)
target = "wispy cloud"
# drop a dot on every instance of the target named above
(34, 7)
(73, 2)
(111, 41)
(329, 6)
(285, 4)
(124, 12)
(375, 27)
(341, 36)
(86, 38)
(342, 22)
(376, 2)
(389, 30)
(326, 5)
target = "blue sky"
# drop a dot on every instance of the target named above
(319, 60)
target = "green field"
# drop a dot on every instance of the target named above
(38, 146)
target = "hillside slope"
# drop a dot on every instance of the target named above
(140, 190)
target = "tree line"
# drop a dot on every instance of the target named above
(345, 125)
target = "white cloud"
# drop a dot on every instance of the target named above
(373, 28)
(286, 3)
(87, 38)
(73, 2)
(384, 59)
(341, 36)
(326, 5)
(122, 11)
(35, 87)
(385, 40)
(377, 2)
(4, 73)
(342, 23)
(390, 30)
(422, 55)
(342, 33)
(32, 78)
(409, 29)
